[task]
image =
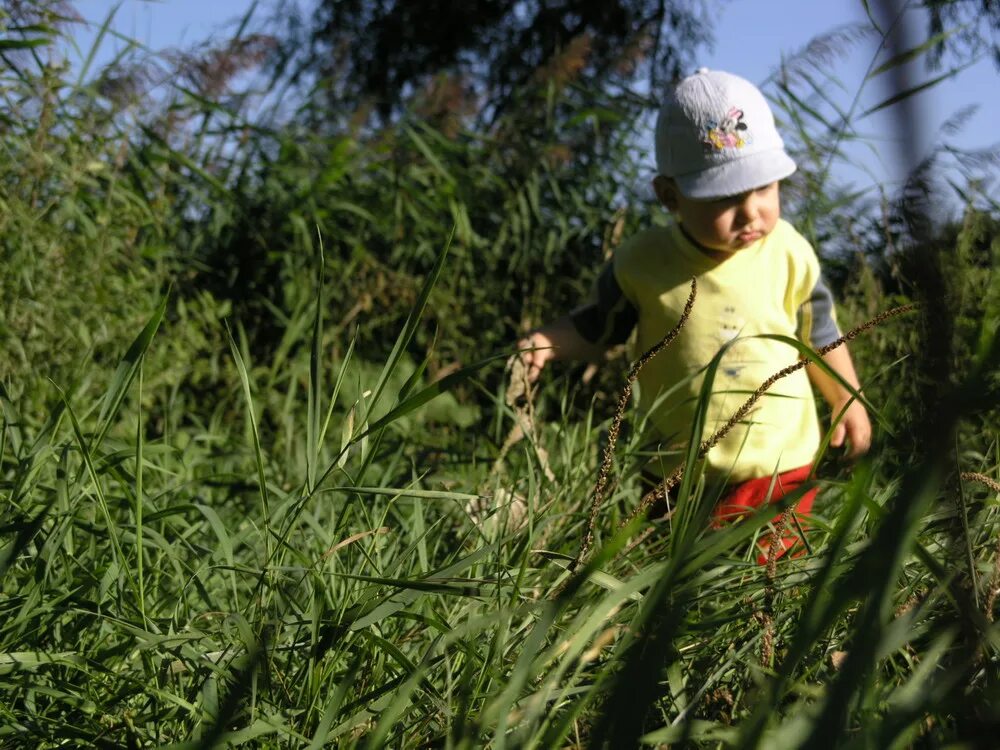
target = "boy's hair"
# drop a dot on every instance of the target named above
(715, 137)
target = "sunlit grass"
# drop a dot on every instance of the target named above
(224, 520)
(221, 595)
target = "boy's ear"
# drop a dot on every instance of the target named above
(666, 191)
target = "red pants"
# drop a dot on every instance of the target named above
(743, 499)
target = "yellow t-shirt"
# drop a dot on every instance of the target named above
(771, 287)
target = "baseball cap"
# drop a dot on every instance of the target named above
(715, 136)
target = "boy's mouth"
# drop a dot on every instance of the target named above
(746, 238)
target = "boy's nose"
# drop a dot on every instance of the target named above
(747, 209)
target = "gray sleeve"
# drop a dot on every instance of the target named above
(607, 318)
(817, 322)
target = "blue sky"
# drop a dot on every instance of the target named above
(162, 23)
(751, 39)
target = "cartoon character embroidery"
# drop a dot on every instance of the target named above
(729, 132)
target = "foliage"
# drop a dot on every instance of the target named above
(381, 208)
(481, 58)
(977, 23)
(824, 125)
(155, 591)
(74, 229)
(256, 506)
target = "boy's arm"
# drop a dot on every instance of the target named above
(557, 340)
(854, 425)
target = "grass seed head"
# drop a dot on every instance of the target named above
(616, 422)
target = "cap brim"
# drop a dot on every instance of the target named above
(735, 177)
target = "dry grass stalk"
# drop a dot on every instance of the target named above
(503, 508)
(643, 536)
(774, 541)
(662, 489)
(354, 538)
(566, 65)
(770, 593)
(993, 587)
(767, 640)
(602, 641)
(719, 704)
(616, 423)
(485, 509)
(520, 390)
(671, 481)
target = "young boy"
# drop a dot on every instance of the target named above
(720, 160)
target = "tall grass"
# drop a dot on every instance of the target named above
(201, 590)
(268, 516)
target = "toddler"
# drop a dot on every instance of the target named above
(720, 161)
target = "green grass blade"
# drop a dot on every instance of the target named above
(907, 55)
(376, 612)
(95, 47)
(258, 453)
(314, 397)
(336, 390)
(907, 93)
(112, 526)
(392, 713)
(29, 661)
(410, 326)
(139, 500)
(330, 712)
(690, 519)
(25, 533)
(811, 355)
(432, 391)
(431, 157)
(126, 372)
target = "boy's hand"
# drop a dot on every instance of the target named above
(536, 360)
(556, 340)
(854, 426)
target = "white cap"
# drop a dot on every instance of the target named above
(715, 137)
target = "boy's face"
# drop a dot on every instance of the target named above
(723, 225)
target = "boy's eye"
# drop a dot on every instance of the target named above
(732, 200)
(742, 196)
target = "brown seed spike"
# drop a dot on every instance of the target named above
(670, 482)
(975, 476)
(770, 591)
(616, 423)
(675, 477)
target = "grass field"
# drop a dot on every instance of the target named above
(269, 512)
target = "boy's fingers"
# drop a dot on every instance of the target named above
(535, 354)
(861, 438)
(857, 432)
(529, 362)
(538, 363)
(837, 438)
